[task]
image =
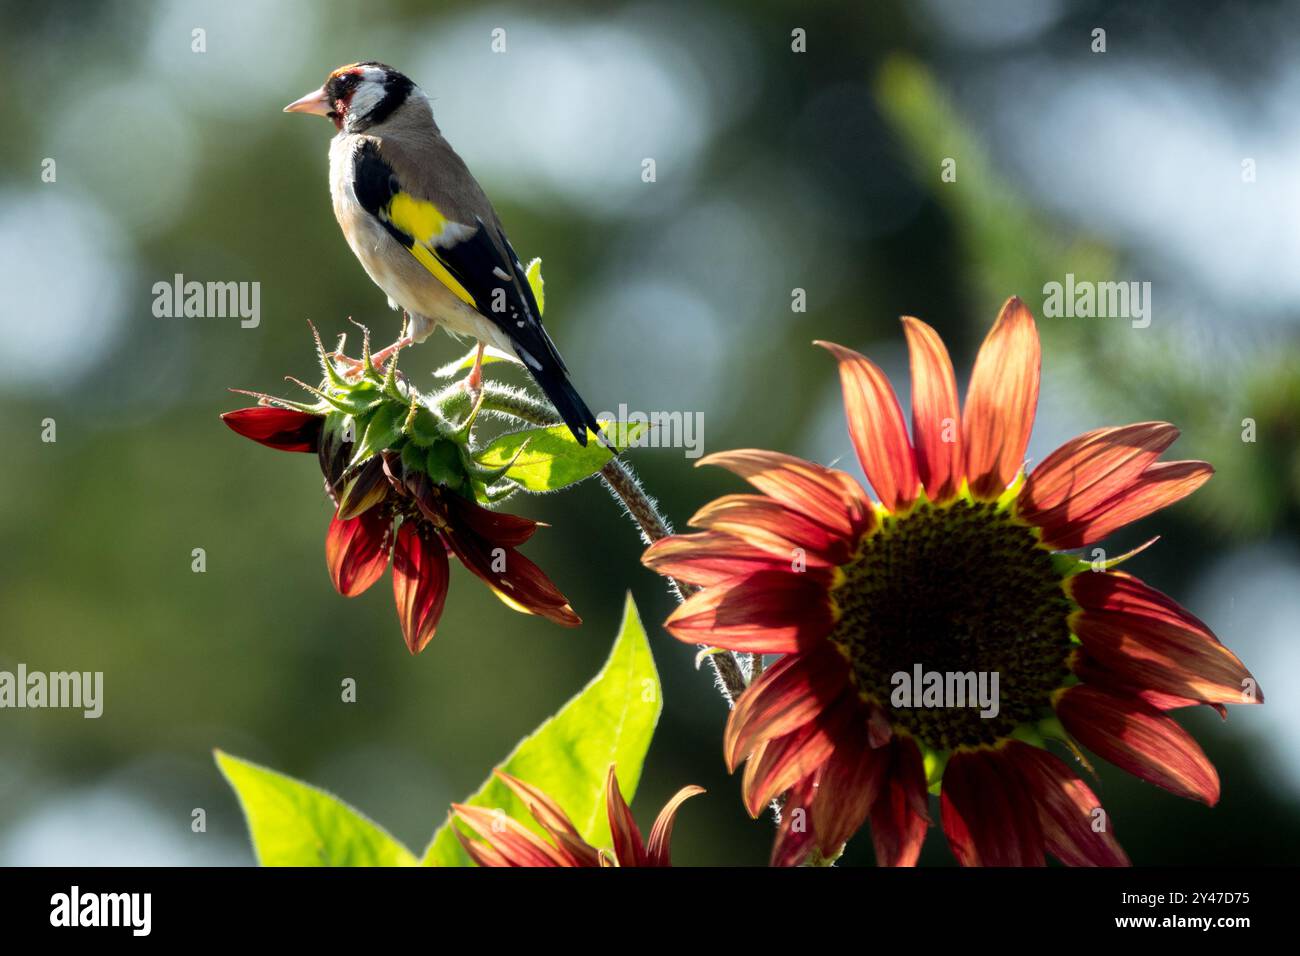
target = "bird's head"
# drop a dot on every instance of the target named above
(357, 96)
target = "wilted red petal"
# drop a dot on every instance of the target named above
(420, 579)
(789, 694)
(281, 428)
(1073, 830)
(877, 428)
(498, 527)
(356, 551)
(708, 558)
(658, 844)
(553, 820)
(827, 495)
(936, 413)
(1089, 470)
(1158, 487)
(900, 815)
(516, 581)
(1138, 738)
(770, 526)
(988, 814)
(628, 847)
(770, 612)
(1001, 400)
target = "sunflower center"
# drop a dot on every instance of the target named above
(940, 601)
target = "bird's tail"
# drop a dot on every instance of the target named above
(551, 374)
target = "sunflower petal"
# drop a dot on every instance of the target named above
(552, 818)
(1067, 810)
(789, 694)
(1089, 470)
(420, 581)
(1138, 738)
(356, 551)
(988, 814)
(708, 558)
(899, 815)
(770, 612)
(936, 412)
(877, 428)
(827, 495)
(511, 840)
(628, 847)
(661, 833)
(771, 526)
(848, 786)
(1159, 486)
(1001, 401)
(778, 764)
(280, 428)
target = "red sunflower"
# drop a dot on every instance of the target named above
(384, 507)
(957, 569)
(504, 842)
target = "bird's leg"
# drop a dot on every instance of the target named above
(383, 355)
(474, 380)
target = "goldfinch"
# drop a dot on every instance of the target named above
(425, 231)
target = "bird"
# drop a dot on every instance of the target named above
(426, 233)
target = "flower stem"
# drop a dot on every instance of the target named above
(639, 506)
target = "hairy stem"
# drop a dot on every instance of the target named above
(640, 507)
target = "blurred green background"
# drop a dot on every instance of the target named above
(776, 170)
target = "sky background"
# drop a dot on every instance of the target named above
(776, 170)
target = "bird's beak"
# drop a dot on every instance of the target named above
(317, 101)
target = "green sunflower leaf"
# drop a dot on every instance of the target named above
(294, 824)
(610, 721)
(550, 458)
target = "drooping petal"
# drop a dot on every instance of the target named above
(280, 428)
(1169, 658)
(827, 495)
(1074, 831)
(848, 786)
(1001, 400)
(628, 847)
(778, 764)
(936, 412)
(900, 814)
(1089, 470)
(988, 814)
(770, 612)
(795, 838)
(498, 527)
(658, 844)
(356, 551)
(877, 428)
(553, 820)
(789, 694)
(513, 842)
(770, 526)
(1138, 738)
(515, 580)
(708, 558)
(1159, 486)
(420, 580)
